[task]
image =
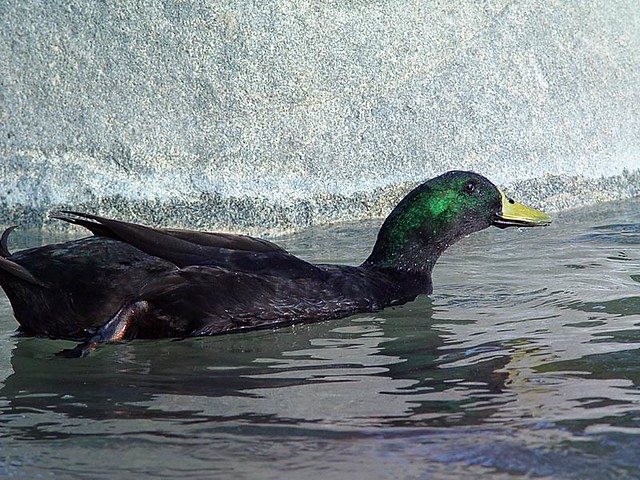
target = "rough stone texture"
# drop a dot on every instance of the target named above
(267, 115)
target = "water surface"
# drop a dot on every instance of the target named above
(525, 361)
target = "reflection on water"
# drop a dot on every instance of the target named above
(526, 361)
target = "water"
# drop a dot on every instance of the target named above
(525, 361)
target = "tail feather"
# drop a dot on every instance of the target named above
(13, 268)
(4, 250)
(20, 272)
(91, 225)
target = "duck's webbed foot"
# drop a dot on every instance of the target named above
(114, 330)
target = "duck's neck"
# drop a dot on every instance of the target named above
(415, 256)
(414, 236)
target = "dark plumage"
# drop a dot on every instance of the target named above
(131, 281)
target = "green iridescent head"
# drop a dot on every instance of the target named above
(441, 211)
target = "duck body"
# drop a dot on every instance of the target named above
(132, 281)
(86, 281)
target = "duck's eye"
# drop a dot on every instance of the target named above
(469, 188)
(511, 201)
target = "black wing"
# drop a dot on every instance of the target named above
(186, 248)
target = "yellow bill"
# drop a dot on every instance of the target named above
(514, 214)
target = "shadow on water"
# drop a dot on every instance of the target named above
(232, 365)
(366, 371)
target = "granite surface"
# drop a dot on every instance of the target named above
(262, 116)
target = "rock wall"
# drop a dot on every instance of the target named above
(266, 115)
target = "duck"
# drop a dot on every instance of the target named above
(130, 281)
